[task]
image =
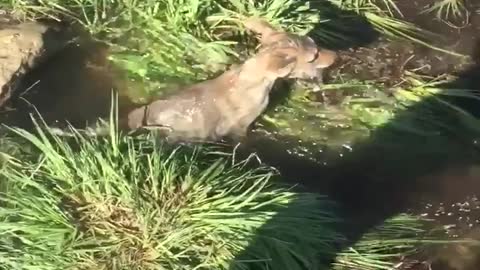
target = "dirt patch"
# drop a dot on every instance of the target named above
(383, 62)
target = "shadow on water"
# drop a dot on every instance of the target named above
(395, 172)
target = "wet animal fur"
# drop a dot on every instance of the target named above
(228, 104)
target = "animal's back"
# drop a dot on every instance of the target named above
(190, 113)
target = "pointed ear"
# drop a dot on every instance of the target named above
(264, 29)
(268, 34)
(325, 58)
(280, 64)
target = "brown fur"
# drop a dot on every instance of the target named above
(228, 104)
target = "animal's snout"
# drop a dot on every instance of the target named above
(313, 70)
(326, 58)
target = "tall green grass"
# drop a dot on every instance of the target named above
(386, 245)
(136, 203)
(448, 9)
(125, 203)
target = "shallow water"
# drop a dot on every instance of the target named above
(73, 86)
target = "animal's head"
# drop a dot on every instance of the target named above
(290, 55)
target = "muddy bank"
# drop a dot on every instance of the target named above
(24, 47)
(456, 34)
(385, 61)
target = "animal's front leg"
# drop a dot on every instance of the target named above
(159, 130)
(239, 133)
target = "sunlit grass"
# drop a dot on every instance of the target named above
(447, 9)
(122, 203)
(379, 248)
(388, 6)
(135, 203)
(383, 247)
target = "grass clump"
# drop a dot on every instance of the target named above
(125, 203)
(122, 203)
(385, 245)
(447, 9)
